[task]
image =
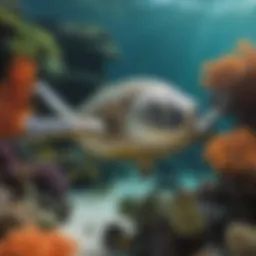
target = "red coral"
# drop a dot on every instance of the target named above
(15, 93)
(31, 241)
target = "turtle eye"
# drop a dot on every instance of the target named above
(163, 115)
(154, 112)
(174, 116)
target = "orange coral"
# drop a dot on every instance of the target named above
(233, 152)
(35, 242)
(15, 93)
(235, 70)
(236, 76)
(21, 79)
(223, 73)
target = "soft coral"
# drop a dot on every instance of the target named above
(235, 75)
(35, 242)
(233, 152)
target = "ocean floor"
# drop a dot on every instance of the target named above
(93, 212)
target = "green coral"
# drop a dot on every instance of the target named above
(185, 216)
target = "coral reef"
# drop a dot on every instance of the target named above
(216, 219)
(21, 47)
(49, 179)
(48, 183)
(166, 226)
(232, 155)
(219, 217)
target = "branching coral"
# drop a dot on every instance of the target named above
(33, 241)
(235, 75)
(234, 152)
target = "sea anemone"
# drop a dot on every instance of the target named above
(235, 75)
(233, 152)
(33, 241)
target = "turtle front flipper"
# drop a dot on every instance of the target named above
(212, 116)
(54, 127)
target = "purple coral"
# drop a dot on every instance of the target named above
(8, 168)
(49, 179)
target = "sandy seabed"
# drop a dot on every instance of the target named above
(93, 212)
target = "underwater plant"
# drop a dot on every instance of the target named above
(26, 39)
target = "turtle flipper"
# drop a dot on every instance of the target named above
(68, 120)
(207, 121)
(42, 127)
(212, 116)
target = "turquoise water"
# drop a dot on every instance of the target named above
(165, 38)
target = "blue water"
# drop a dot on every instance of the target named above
(166, 38)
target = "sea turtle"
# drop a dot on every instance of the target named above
(144, 119)
(140, 119)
